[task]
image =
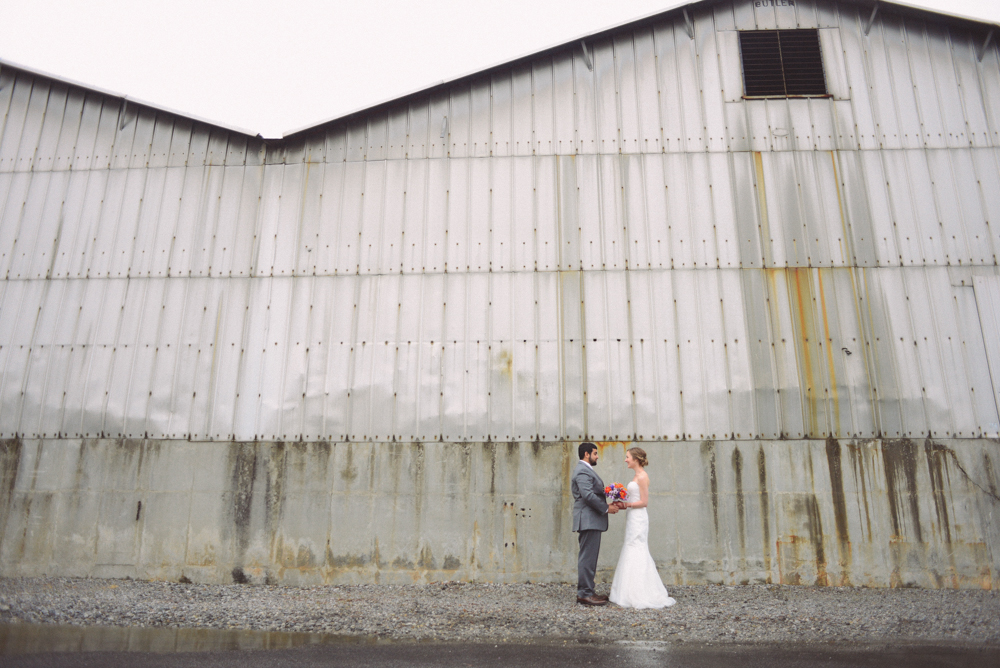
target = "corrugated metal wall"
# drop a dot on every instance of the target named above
(609, 245)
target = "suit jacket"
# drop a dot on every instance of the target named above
(590, 509)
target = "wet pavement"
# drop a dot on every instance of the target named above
(55, 646)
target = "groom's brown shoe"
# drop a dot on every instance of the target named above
(600, 597)
(591, 600)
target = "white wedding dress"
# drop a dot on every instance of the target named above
(637, 584)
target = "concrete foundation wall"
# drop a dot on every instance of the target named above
(872, 512)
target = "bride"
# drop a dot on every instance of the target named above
(637, 584)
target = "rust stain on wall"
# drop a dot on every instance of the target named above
(839, 503)
(899, 457)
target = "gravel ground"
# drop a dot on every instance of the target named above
(456, 611)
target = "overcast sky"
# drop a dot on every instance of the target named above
(271, 67)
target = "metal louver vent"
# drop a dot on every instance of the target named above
(782, 63)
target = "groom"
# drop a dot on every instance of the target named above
(590, 519)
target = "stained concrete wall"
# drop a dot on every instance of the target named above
(848, 512)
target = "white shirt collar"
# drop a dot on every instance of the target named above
(587, 463)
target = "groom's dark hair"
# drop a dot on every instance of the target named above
(585, 448)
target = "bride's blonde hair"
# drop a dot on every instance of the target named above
(639, 455)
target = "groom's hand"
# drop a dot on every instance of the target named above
(612, 509)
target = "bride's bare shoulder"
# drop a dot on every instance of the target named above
(642, 476)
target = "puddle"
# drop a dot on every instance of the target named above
(38, 638)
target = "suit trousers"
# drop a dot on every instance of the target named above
(586, 564)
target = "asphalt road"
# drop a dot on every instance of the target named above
(38, 645)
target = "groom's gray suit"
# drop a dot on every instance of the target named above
(590, 519)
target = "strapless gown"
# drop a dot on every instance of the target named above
(637, 584)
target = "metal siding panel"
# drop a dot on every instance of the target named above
(724, 217)
(849, 355)
(436, 216)
(523, 224)
(888, 126)
(44, 152)
(780, 122)
(222, 220)
(480, 141)
(608, 364)
(961, 405)
(654, 194)
(737, 347)
(834, 69)
(477, 357)
(476, 208)
(924, 85)
(669, 85)
(691, 341)
(429, 365)
(32, 128)
(628, 104)
(377, 136)
(318, 343)
(356, 140)
(856, 68)
(643, 342)
(14, 188)
(455, 341)
(902, 80)
(563, 105)
(710, 82)
(588, 211)
(678, 213)
(26, 232)
(336, 142)
(269, 222)
(685, 60)
(546, 214)
(459, 205)
(501, 114)
(341, 341)
(459, 122)
(987, 167)
(844, 126)
(329, 224)
(572, 360)
(747, 209)
(391, 258)
(791, 394)
(501, 382)
(979, 311)
(521, 137)
(952, 227)
(731, 68)
(969, 90)
(524, 356)
(69, 130)
(372, 207)
(872, 177)
(636, 224)
(949, 94)
(548, 388)
(942, 413)
(542, 108)
(970, 219)
(605, 98)
(417, 132)
(126, 232)
(180, 142)
(853, 206)
(349, 218)
(903, 346)
(414, 215)
(584, 88)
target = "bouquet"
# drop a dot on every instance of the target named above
(615, 492)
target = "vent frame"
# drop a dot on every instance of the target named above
(803, 75)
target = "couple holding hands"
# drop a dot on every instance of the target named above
(636, 583)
